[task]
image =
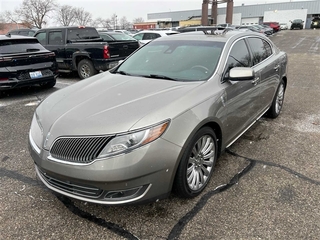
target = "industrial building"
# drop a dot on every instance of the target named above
(282, 12)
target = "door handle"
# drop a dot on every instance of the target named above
(277, 67)
(255, 81)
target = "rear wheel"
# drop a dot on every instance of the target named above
(197, 164)
(86, 69)
(277, 102)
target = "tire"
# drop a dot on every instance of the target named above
(190, 179)
(277, 102)
(86, 69)
(47, 85)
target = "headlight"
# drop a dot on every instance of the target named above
(36, 134)
(123, 143)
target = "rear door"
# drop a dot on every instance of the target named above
(56, 44)
(53, 40)
(266, 63)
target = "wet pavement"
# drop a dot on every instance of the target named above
(265, 186)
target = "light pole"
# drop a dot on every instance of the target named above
(116, 23)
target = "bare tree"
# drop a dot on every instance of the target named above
(82, 17)
(33, 12)
(66, 15)
(2, 23)
(11, 17)
(113, 21)
(100, 22)
(124, 23)
(138, 20)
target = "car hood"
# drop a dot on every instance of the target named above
(109, 104)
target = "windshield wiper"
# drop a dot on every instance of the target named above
(161, 77)
(123, 73)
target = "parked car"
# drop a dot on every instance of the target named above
(115, 36)
(315, 23)
(123, 31)
(23, 32)
(201, 28)
(283, 26)
(81, 49)
(131, 43)
(297, 24)
(257, 28)
(274, 25)
(25, 62)
(159, 120)
(148, 35)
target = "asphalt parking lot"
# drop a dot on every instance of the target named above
(265, 186)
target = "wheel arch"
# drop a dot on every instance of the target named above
(211, 123)
(77, 57)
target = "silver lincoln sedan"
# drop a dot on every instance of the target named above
(159, 120)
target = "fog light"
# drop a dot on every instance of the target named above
(126, 194)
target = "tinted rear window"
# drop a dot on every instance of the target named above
(12, 46)
(82, 33)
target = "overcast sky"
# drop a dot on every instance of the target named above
(133, 8)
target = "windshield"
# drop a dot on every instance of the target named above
(179, 60)
(297, 21)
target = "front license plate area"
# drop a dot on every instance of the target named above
(36, 74)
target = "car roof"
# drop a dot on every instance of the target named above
(23, 29)
(9, 36)
(160, 31)
(67, 27)
(202, 36)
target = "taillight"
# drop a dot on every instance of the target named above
(106, 53)
(4, 79)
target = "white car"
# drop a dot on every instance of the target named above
(124, 31)
(146, 36)
(283, 26)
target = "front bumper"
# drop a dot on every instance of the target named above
(145, 174)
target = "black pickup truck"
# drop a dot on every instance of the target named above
(81, 49)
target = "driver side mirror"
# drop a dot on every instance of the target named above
(241, 74)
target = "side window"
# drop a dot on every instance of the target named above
(42, 36)
(150, 36)
(261, 49)
(106, 37)
(55, 38)
(23, 33)
(238, 57)
(138, 36)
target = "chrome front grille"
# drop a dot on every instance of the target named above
(77, 189)
(79, 149)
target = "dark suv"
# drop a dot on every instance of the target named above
(23, 32)
(297, 23)
(315, 23)
(24, 61)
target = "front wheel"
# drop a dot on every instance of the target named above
(197, 164)
(277, 102)
(86, 69)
